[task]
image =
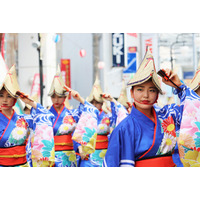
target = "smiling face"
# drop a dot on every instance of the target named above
(57, 101)
(144, 95)
(6, 100)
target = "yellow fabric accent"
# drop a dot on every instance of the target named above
(102, 140)
(12, 156)
(69, 144)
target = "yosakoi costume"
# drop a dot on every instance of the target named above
(14, 133)
(64, 126)
(189, 137)
(137, 140)
(95, 133)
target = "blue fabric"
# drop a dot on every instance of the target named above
(134, 135)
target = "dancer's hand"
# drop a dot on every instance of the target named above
(26, 99)
(173, 77)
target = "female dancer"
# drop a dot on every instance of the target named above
(14, 128)
(65, 122)
(189, 137)
(104, 124)
(147, 137)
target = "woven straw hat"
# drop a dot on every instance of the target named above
(96, 92)
(123, 99)
(57, 85)
(194, 85)
(10, 82)
(145, 72)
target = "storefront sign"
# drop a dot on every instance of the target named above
(118, 49)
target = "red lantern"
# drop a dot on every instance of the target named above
(82, 53)
(101, 64)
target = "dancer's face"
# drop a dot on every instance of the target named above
(6, 100)
(57, 100)
(144, 95)
(97, 104)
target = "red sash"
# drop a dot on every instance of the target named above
(11, 156)
(101, 142)
(63, 142)
(163, 161)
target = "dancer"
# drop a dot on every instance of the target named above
(14, 128)
(189, 137)
(104, 123)
(147, 137)
(65, 121)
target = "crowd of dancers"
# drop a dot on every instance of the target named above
(102, 134)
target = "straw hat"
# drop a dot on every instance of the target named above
(123, 99)
(145, 72)
(96, 92)
(194, 85)
(57, 85)
(10, 82)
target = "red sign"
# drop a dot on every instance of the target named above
(66, 72)
(2, 43)
(35, 88)
(132, 34)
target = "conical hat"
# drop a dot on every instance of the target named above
(123, 99)
(194, 85)
(10, 82)
(96, 92)
(145, 72)
(57, 85)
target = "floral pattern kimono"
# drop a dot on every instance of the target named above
(64, 126)
(138, 138)
(14, 133)
(189, 137)
(102, 128)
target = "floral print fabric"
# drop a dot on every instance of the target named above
(189, 137)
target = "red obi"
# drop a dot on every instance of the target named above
(162, 161)
(101, 142)
(13, 156)
(63, 142)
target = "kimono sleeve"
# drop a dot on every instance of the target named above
(189, 137)
(42, 140)
(76, 113)
(120, 152)
(118, 113)
(176, 111)
(85, 132)
(121, 113)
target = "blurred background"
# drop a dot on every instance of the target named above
(113, 56)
